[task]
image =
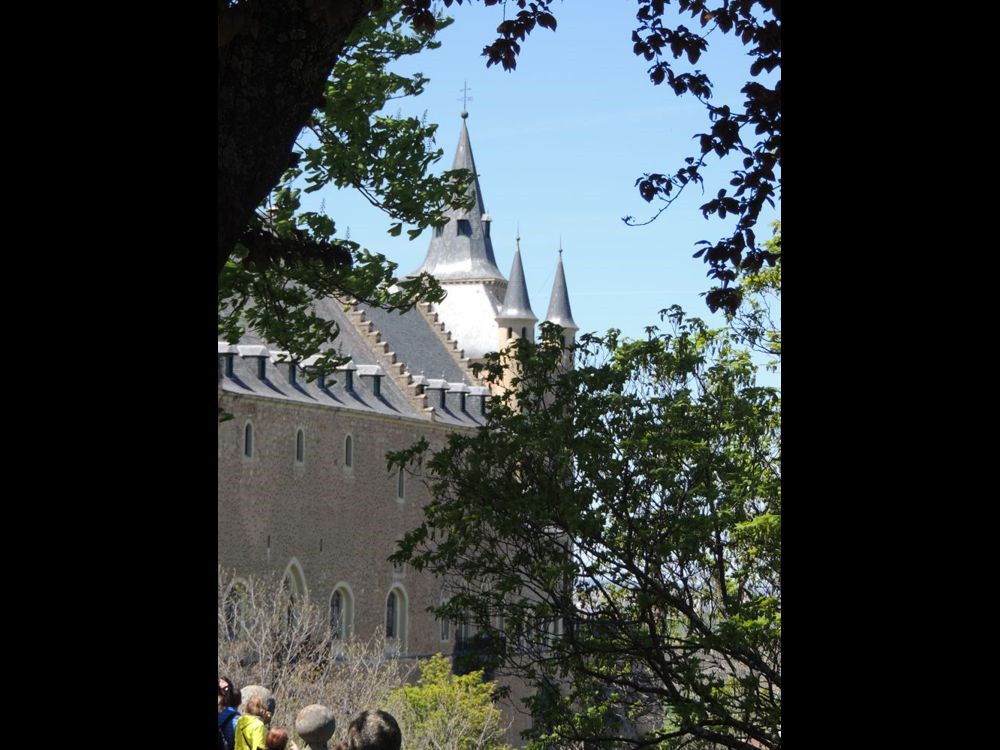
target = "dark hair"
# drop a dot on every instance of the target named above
(230, 694)
(277, 738)
(374, 730)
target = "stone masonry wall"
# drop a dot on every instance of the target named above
(273, 510)
(339, 523)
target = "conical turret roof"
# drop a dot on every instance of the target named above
(463, 252)
(516, 305)
(559, 309)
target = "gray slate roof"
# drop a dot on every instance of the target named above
(516, 305)
(416, 344)
(559, 310)
(409, 334)
(451, 256)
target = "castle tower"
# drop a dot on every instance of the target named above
(559, 309)
(461, 257)
(516, 320)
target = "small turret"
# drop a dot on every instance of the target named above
(516, 320)
(559, 310)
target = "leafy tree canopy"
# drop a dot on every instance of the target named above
(757, 321)
(285, 258)
(750, 131)
(289, 65)
(615, 531)
(443, 711)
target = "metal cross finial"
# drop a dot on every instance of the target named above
(560, 245)
(518, 237)
(465, 98)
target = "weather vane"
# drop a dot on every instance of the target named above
(465, 97)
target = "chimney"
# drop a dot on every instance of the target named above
(348, 370)
(482, 393)
(309, 363)
(282, 358)
(375, 373)
(437, 384)
(460, 389)
(228, 353)
(258, 352)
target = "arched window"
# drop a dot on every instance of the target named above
(341, 612)
(293, 585)
(234, 608)
(396, 621)
(553, 629)
(401, 485)
(248, 440)
(337, 615)
(348, 452)
(300, 446)
(445, 624)
(463, 629)
(524, 332)
(294, 581)
(464, 228)
(391, 615)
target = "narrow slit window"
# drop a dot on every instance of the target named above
(248, 441)
(445, 623)
(390, 615)
(336, 614)
(341, 614)
(400, 484)
(348, 452)
(300, 446)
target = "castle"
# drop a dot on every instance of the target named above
(303, 487)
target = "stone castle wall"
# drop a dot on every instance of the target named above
(338, 523)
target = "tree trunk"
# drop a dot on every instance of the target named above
(274, 59)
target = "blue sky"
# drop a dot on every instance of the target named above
(559, 144)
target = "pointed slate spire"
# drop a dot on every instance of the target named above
(516, 305)
(559, 310)
(462, 250)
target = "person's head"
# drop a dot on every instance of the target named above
(256, 707)
(277, 738)
(374, 730)
(228, 694)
